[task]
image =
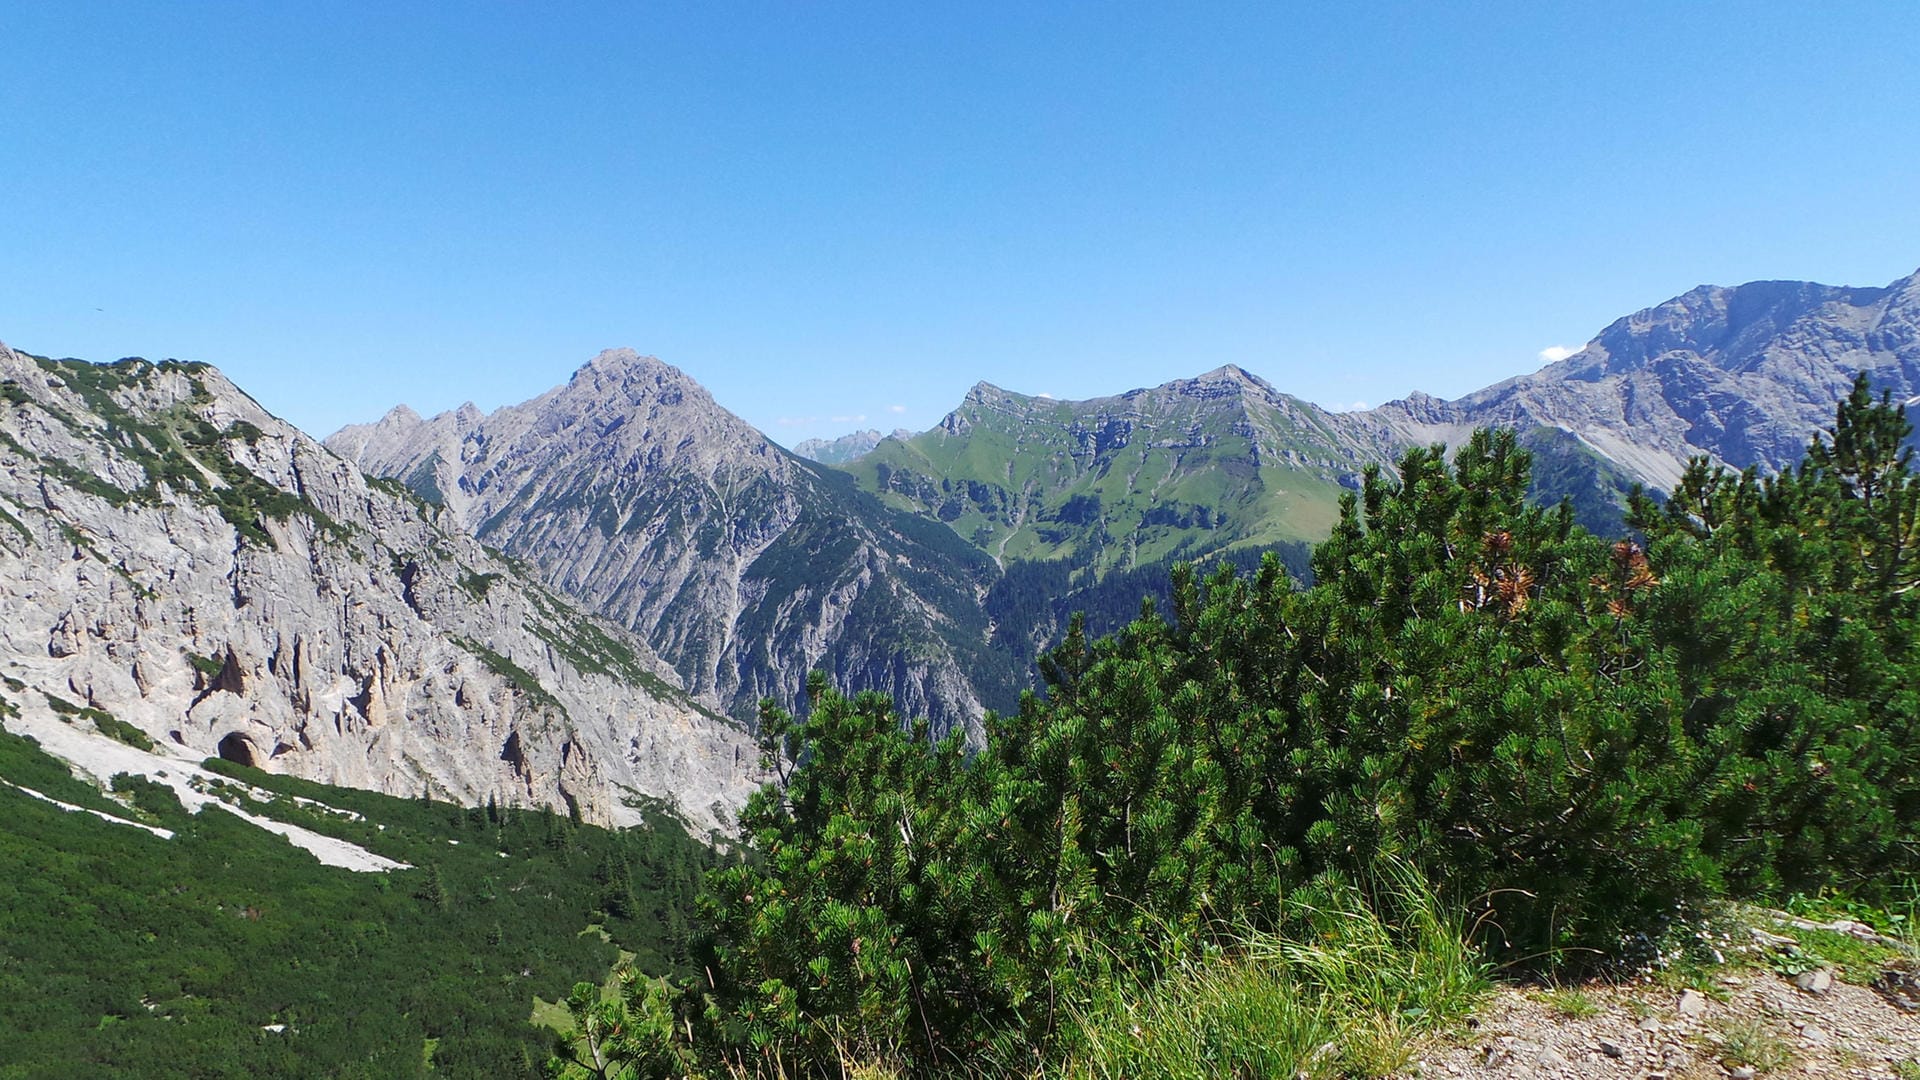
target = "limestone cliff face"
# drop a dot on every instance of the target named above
(744, 566)
(172, 554)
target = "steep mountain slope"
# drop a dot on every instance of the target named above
(174, 558)
(1745, 375)
(743, 565)
(1181, 469)
(845, 448)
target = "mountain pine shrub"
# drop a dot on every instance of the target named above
(1574, 741)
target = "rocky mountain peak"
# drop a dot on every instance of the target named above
(1227, 380)
(623, 375)
(400, 416)
(985, 393)
(1742, 374)
(1233, 373)
(632, 489)
(845, 448)
(620, 362)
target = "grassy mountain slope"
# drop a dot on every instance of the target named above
(1180, 470)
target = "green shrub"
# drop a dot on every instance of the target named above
(115, 728)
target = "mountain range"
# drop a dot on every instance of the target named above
(581, 598)
(845, 448)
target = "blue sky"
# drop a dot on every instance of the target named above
(843, 215)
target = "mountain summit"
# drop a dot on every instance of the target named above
(630, 489)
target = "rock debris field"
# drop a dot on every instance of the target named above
(1749, 1023)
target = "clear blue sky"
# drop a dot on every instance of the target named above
(825, 210)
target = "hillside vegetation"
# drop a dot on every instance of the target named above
(226, 952)
(1481, 725)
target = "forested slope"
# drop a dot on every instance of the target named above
(224, 951)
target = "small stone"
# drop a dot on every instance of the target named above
(1815, 982)
(1814, 1033)
(1650, 1025)
(1549, 1058)
(1741, 1072)
(1612, 1049)
(1692, 1004)
(1900, 985)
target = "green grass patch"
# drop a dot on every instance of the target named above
(210, 666)
(519, 677)
(1569, 1003)
(121, 731)
(1749, 1041)
(1346, 993)
(476, 585)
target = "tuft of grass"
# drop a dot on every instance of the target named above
(1350, 993)
(1908, 1069)
(1750, 1042)
(1570, 1003)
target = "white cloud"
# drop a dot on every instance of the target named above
(896, 409)
(856, 418)
(1353, 406)
(1553, 354)
(1044, 394)
(797, 421)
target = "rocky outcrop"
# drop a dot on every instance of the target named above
(176, 557)
(744, 566)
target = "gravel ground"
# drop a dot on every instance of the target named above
(1649, 1032)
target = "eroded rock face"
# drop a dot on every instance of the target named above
(745, 567)
(1744, 375)
(174, 555)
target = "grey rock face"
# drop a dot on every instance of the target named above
(1745, 375)
(745, 567)
(176, 556)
